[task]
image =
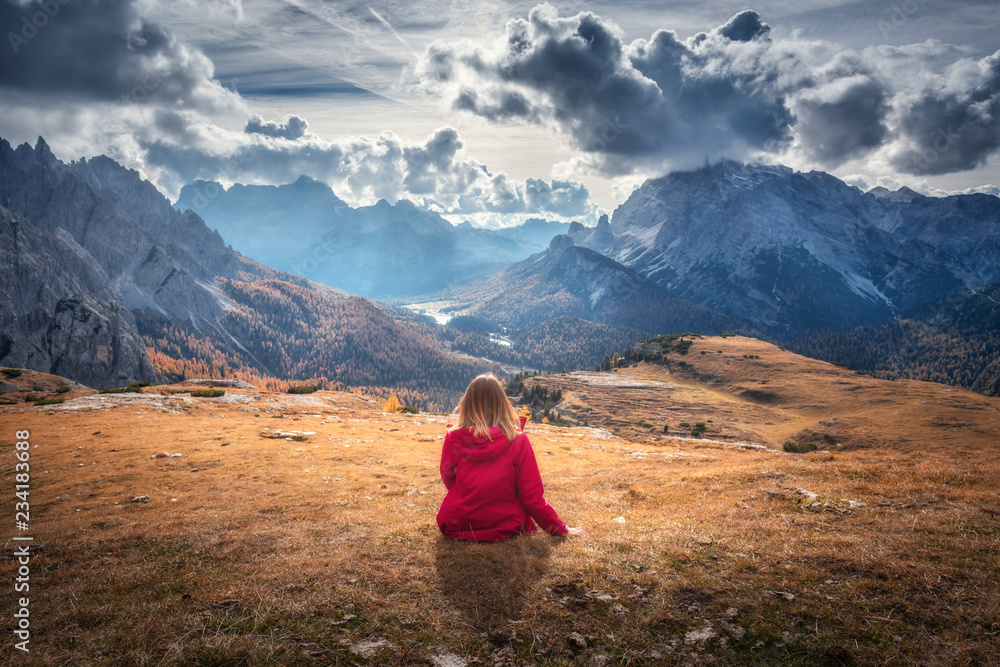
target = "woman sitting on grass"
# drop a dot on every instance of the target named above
(487, 464)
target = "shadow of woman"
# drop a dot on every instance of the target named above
(491, 581)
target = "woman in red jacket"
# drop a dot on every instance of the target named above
(487, 464)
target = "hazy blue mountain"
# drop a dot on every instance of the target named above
(276, 225)
(384, 250)
(536, 231)
(789, 252)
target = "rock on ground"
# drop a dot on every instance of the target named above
(444, 658)
(371, 647)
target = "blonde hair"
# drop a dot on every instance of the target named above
(485, 405)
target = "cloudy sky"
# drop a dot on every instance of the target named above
(495, 111)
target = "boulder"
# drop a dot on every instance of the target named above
(988, 382)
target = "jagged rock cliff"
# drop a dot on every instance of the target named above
(988, 383)
(59, 312)
(86, 243)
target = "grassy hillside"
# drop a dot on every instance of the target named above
(300, 529)
(744, 389)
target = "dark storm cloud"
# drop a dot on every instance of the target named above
(99, 50)
(841, 110)
(729, 92)
(953, 126)
(744, 27)
(621, 101)
(293, 128)
(847, 126)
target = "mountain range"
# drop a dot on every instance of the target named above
(100, 273)
(789, 253)
(105, 281)
(770, 250)
(380, 251)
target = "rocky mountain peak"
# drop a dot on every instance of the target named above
(788, 251)
(560, 244)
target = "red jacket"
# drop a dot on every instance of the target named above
(494, 488)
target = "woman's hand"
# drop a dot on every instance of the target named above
(577, 532)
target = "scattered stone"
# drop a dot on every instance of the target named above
(371, 647)
(194, 469)
(343, 621)
(617, 611)
(640, 592)
(141, 499)
(732, 612)
(700, 635)
(234, 384)
(807, 494)
(734, 631)
(788, 597)
(175, 455)
(602, 596)
(444, 658)
(705, 540)
(576, 641)
(619, 519)
(600, 660)
(852, 504)
(278, 434)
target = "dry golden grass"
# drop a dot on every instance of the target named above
(278, 551)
